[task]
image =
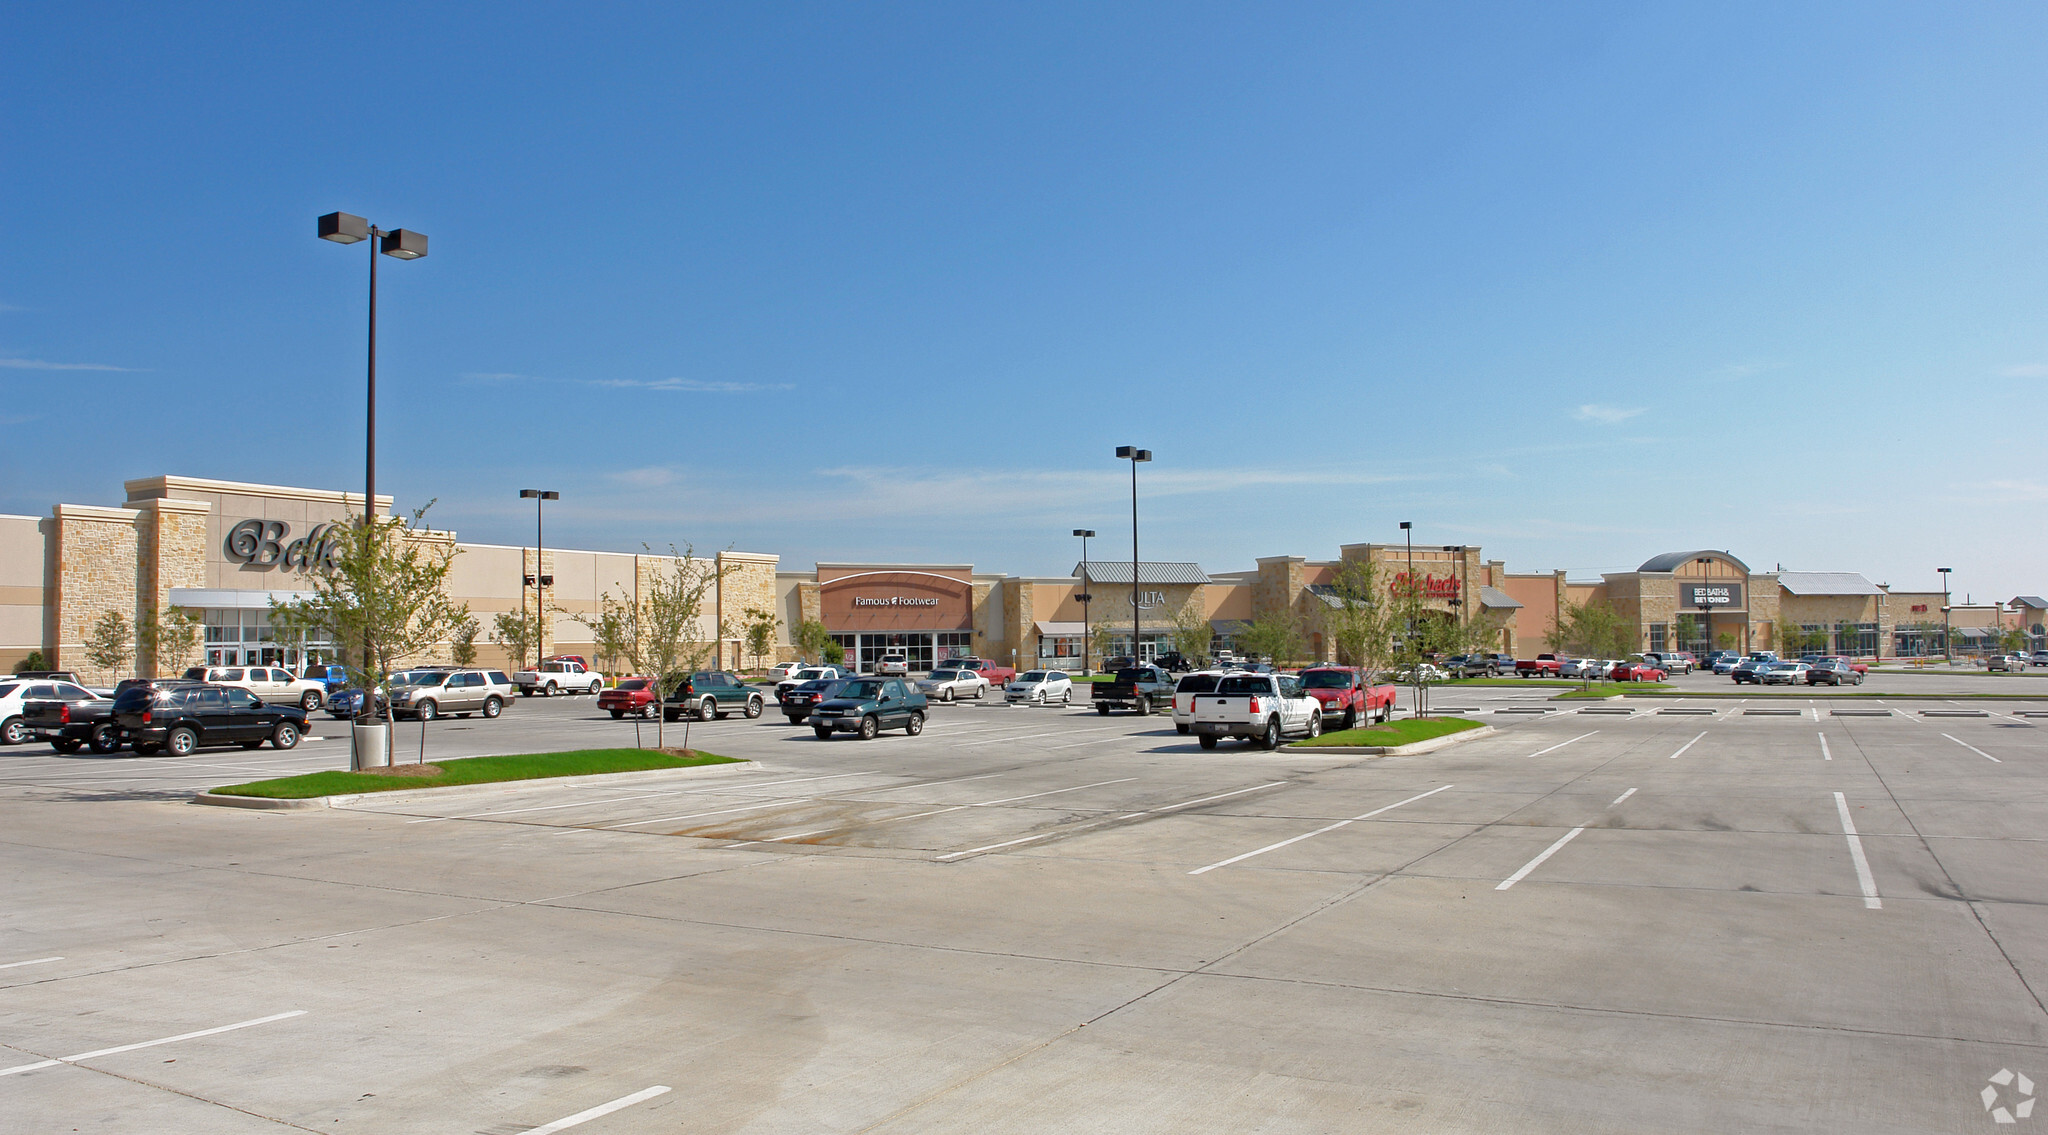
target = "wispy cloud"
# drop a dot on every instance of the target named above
(651, 477)
(2025, 370)
(41, 364)
(10, 307)
(691, 385)
(2014, 490)
(491, 376)
(1605, 415)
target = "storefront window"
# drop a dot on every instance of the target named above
(1657, 637)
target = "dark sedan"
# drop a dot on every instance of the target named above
(1833, 672)
(866, 706)
(344, 704)
(181, 719)
(1751, 670)
(798, 703)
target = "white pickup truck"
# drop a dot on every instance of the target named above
(1260, 707)
(558, 676)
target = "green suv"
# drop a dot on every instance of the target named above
(712, 693)
(866, 706)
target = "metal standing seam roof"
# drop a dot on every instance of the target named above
(1062, 629)
(2034, 601)
(1119, 571)
(1827, 583)
(1494, 597)
(1669, 561)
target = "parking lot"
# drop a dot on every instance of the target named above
(1652, 914)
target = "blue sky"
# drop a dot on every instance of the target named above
(1578, 283)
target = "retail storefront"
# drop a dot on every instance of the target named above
(926, 615)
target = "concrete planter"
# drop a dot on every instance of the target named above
(369, 746)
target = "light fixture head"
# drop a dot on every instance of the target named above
(1144, 455)
(1406, 525)
(528, 494)
(551, 495)
(404, 244)
(344, 228)
(1125, 450)
(1084, 532)
(1944, 571)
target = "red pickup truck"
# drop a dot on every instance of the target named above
(1346, 702)
(1541, 666)
(998, 676)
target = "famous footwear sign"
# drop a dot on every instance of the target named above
(894, 601)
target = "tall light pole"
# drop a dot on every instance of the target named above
(1084, 597)
(1408, 530)
(540, 582)
(1947, 653)
(1457, 575)
(403, 244)
(1135, 455)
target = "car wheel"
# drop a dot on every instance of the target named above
(548, 690)
(915, 725)
(617, 714)
(1038, 697)
(594, 687)
(105, 739)
(754, 707)
(1270, 739)
(823, 734)
(647, 712)
(1066, 697)
(13, 732)
(1350, 718)
(1183, 730)
(869, 727)
(1102, 708)
(67, 746)
(1206, 740)
(1315, 725)
(426, 711)
(1144, 706)
(707, 709)
(493, 707)
(309, 701)
(285, 736)
(181, 741)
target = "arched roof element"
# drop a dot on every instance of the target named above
(1669, 561)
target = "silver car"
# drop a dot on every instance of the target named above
(1784, 674)
(427, 694)
(948, 685)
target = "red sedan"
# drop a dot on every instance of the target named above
(631, 695)
(1635, 672)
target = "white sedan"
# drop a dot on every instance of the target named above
(1040, 687)
(947, 685)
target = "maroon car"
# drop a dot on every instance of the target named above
(631, 695)
(1635, 672)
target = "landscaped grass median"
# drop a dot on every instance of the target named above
(1610, 689)
(1404, 732)
(474, 770)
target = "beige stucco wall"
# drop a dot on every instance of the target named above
(26, 585)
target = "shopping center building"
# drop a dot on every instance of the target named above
(226, 551)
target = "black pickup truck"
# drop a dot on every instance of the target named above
(73, 725)
(1140, 688)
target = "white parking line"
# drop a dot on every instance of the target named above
(98, 1052)
(1562, 744)
(1688, 745)
(1531, 865)
(1824, 753)
(1973, 748)
(995, 846)
(1317, 832)
(602, 1109)
(1623, 796)
(700, 815)
(1031, 736)
(1203, 800)
(553, 807)
(1054, 792)
(1863, 877)
(30, 962)
(920, 815)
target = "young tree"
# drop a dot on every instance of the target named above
(1688, 630)
(1276, 637)
(107, 646)
(1191, 631)
(833, 653)
(812, 638)
(759, 630)
(33, 660)
(1363, 623)
(608, 632)
(515, 632)
(1105, 642)
(1725, 640)
(462, 647)
(168, 640)
(384, 596)
(654, 632)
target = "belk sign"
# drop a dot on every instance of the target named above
(263, 544)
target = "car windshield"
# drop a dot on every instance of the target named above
(1788, 666)
(418, 678)
(1032, 676)
(633, 684)
(1244, 685)
(1326, 680)
(9, 688)
(809, 675)
(1196, 684)
(945, 675)
(862, 691)
(820, 686)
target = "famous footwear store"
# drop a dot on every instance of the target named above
(225, 550)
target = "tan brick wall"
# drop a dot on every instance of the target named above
(749, 582)
(98, 562)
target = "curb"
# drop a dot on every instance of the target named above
(1429, 746)
(403, 795)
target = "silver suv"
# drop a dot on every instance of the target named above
(431, 693)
